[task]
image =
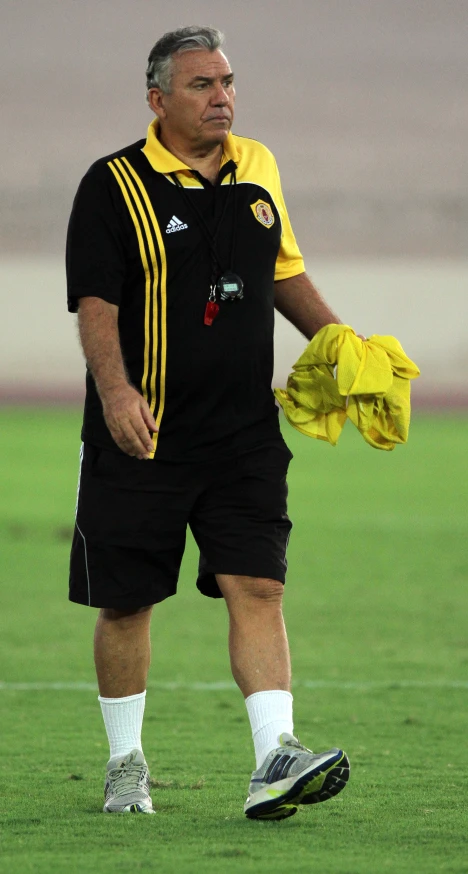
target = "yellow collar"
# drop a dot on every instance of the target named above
(164, 161)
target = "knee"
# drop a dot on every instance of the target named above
(125, 617)
(270, 591)
(254, 592)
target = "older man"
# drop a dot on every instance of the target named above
(179, 249)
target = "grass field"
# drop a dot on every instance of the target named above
(376, 606)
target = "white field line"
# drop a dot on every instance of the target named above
(174, 686)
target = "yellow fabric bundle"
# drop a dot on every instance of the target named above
(340, 376)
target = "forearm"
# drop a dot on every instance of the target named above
(301, 303)
(126, 412)
(99, 335)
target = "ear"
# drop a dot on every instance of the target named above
(156, 101)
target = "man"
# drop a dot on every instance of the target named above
(179, 248)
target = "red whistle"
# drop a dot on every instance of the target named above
(211, 311)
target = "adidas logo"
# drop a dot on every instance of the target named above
(175, 224)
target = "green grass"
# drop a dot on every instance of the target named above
(376, 605)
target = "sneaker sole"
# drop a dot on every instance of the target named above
(318, 784)
(130, 808)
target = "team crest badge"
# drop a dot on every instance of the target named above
(263, 213)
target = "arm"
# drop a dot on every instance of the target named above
(301, 303)
(126, 412)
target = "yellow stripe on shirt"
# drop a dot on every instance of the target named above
(144, 234)
(146, 268)
(162, 252)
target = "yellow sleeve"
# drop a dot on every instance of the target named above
(289, 261)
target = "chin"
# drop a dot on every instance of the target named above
(214, 139)
(218, 136)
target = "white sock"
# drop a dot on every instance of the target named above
(270, 715)
(123, 718)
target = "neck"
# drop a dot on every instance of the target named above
(206, 159)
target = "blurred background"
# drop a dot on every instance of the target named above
(364, 104)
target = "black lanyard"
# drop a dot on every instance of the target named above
(217, 268)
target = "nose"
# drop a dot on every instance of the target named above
(220, 96)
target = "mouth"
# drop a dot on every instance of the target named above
(219, 118)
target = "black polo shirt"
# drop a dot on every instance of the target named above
(135, 240)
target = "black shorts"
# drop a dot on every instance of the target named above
(132, 518)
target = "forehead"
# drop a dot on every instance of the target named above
(200, 62)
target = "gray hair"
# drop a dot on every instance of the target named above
(185, 39)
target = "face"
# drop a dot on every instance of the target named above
(200, 108)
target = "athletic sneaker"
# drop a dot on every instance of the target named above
(292, 775)
(126, 789)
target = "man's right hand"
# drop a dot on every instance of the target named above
(129, 420)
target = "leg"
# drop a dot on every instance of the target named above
(127, 547)
(122, 651)
(122, 657)
(258, 645)
(287, 774)
(259, 653)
